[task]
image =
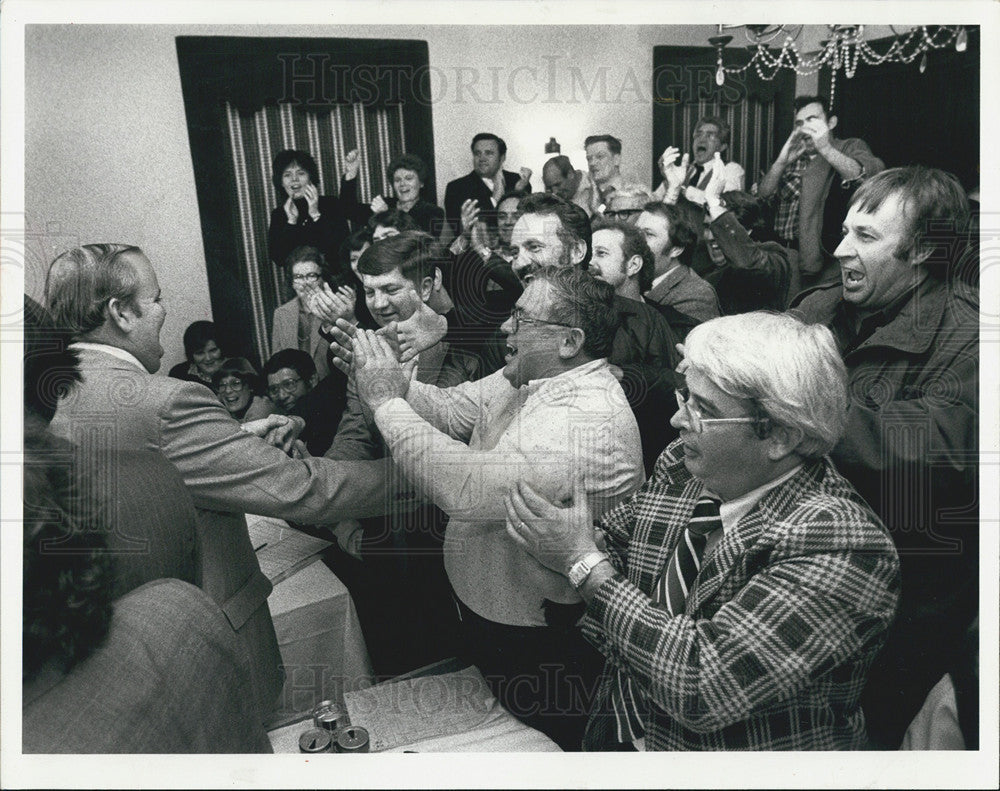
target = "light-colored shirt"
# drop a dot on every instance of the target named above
(114, 351)
(732, 172)
(465, 446)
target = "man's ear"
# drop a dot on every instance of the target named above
(782, 441)
(313, 380)
(919, 253)
(427, 285)
(633, 266)
(831, 122)
(572, 343)
(578, 252)
(120, 314)
(675, 251)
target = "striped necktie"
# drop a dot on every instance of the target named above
(671, 591)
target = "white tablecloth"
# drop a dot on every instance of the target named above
(322, 647)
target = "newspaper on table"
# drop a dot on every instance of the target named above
(416, 709)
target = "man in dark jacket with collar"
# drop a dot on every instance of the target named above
(486, 184)
(909, 335)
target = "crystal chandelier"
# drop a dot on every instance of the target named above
(843, 49)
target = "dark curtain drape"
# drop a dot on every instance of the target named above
(758, 111)
(911, 118)
(245, 99)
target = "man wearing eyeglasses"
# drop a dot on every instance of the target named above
(294, 387)
(294, 325)
(741, 594)
(554, 412)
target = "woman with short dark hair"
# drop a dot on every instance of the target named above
(408, 174)
(203, 351)
(240, 390)
(303, 216)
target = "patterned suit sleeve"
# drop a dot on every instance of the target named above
(227, 469)
(827, 593)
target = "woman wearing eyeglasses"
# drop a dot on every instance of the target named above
(296, 325)
(238, 387)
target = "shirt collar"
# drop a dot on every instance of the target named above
(660, 278)
(733, 511)
(114, 351)
(542, 386)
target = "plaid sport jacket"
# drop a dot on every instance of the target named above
(780, 626)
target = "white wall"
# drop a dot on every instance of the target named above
(107, 155)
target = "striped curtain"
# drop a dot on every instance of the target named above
(751, 140)
(253, 141)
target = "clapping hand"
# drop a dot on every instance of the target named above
(311, 194)
(793, 148)
(674, 174)
(378, 375)
(291, 211)
(470, 213)
(523, 182)
(553, 534)
(378, 205)
(716, 182)
(351, 164)
(329, 305)
(421, 331)
(817, 130)
(342, 345)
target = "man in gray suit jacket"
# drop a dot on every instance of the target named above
(672, 239)
(109, 298)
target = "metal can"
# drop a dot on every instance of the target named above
(315, 740)
(330, 716)
(351, 739)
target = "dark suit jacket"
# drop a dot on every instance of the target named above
(326, 234)
(471, 186)
(780, 627)
(228, 473)
(428, 216)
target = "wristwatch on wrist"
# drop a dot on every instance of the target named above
(580, 570)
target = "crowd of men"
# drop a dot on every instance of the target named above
(678, 468)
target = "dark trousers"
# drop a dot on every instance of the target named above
(401, 593)
(546, 676)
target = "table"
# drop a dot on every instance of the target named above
(322, 647)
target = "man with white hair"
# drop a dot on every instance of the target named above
(741, 594)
